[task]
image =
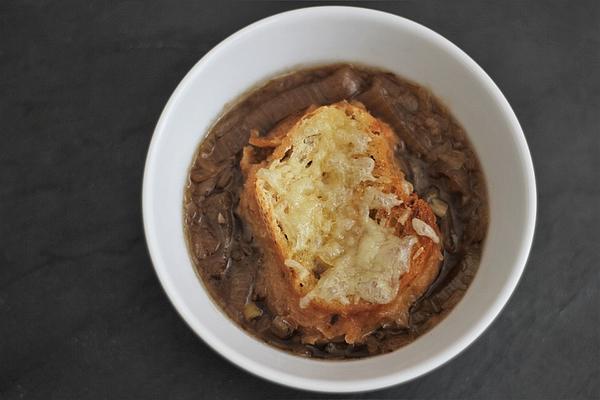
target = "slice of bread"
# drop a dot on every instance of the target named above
(347, 244)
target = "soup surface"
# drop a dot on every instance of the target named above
(432, 151)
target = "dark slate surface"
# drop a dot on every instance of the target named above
(82, 314)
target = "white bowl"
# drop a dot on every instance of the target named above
(321, 35)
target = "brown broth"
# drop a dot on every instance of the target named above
(434, 153)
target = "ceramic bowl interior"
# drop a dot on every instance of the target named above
(315, 36)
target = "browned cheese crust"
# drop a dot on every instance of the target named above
(319, 321)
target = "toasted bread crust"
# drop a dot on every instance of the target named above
(322, 321)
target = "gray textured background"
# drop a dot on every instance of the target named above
(82, 314)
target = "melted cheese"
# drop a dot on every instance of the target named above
(320, 195)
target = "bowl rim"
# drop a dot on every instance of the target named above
(332, 386)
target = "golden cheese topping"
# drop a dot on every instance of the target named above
(320, 195)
